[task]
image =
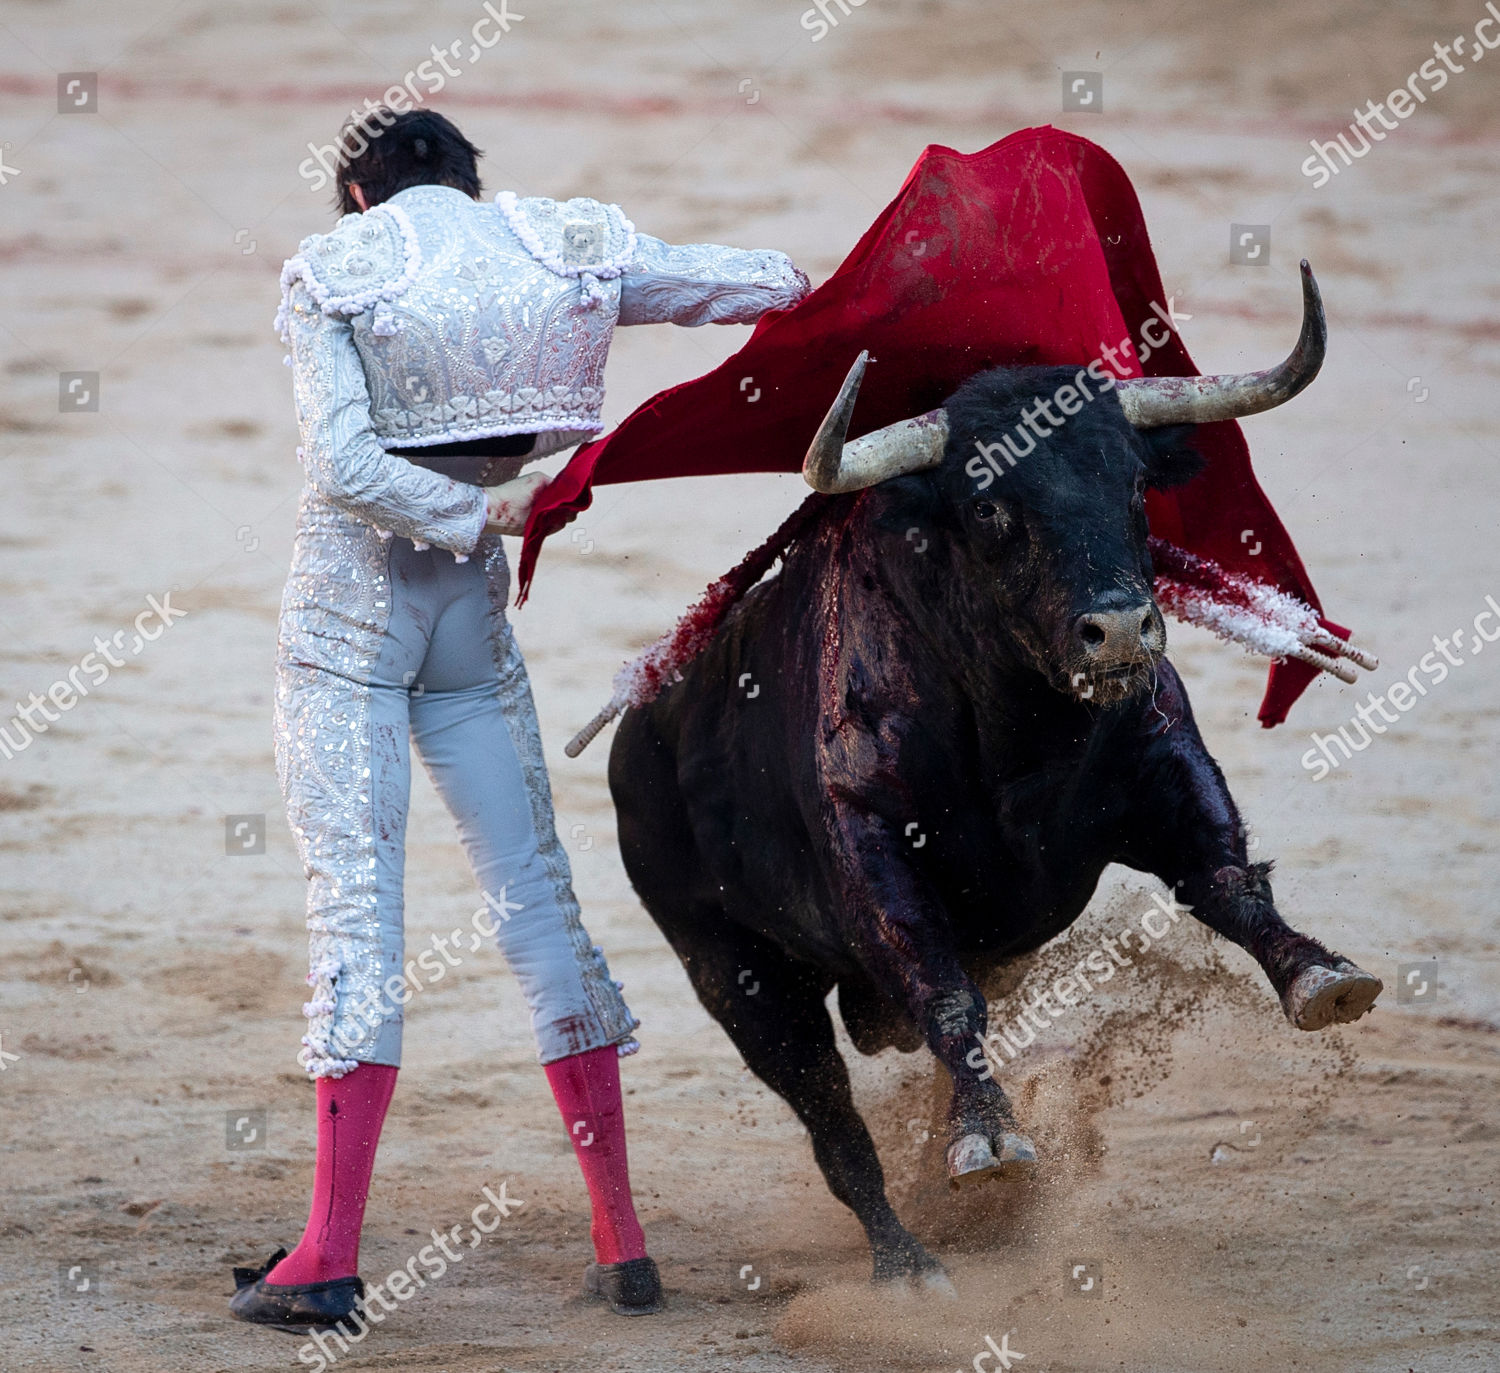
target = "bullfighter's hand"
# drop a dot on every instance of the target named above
(508, 506)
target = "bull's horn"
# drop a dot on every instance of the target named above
(1151, 401)
(834, 466)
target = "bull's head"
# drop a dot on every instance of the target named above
(1050, 518)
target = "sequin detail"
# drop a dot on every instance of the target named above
(578, 238)
(343, 459)
(333, 616)
(498, 334)
(365, 263)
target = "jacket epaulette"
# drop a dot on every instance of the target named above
(580, 238)
(363, 263)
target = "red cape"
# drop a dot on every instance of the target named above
(1033, 250)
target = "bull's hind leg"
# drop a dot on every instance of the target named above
(773, 1009)
(771, 1006)
(1195, 842)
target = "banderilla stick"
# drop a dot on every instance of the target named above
(591, 731)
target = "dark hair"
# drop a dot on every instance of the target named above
(385, 152)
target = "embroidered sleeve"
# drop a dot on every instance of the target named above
(344, 459)
(702, 283)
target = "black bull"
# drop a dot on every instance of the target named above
(909, 757)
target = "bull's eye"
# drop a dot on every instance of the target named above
(986, 510)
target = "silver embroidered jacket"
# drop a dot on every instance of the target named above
(434, 318)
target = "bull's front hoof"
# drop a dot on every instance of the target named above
(935, 1282)
(1319, 997)
(907, 1266)
(973, 1159)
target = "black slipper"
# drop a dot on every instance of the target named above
(632, 1288)
(303, 1308)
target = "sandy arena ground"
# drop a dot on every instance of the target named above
(1254, 1198)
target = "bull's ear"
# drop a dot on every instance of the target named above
(1170, 459)
(902, 500)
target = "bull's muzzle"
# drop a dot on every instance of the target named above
(1117, 638)
(1115, 648)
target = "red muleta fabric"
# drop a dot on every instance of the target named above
(1033, 250)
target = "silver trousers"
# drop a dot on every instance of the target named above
(383, 645)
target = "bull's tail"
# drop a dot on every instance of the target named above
(641, 680)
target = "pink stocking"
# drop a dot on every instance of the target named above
(351, 1110)
(587, 1090)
